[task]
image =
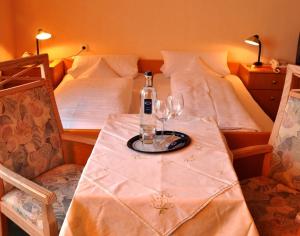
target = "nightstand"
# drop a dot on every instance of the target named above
(264, 85)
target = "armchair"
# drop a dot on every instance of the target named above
(36, 181)
(274, 197)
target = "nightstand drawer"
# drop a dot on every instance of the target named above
(266, 81)
(268, 100)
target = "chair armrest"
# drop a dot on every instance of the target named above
(239, 139)
(78, 139)
(251, 151)
(36, 191)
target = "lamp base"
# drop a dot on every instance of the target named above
(258, 63)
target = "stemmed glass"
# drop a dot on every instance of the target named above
(162, 113)
(175, 104)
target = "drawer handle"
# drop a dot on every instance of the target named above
(272, 98)
(274, 81)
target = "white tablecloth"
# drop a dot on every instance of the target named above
(189, 192)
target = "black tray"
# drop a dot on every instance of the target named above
(182, 141)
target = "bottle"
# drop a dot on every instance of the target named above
(147, 119)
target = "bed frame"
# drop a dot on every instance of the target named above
(153, 65)
(235, 139)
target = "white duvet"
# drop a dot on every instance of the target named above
(206, 94)
(86, 102)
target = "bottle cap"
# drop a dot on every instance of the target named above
(148, 73)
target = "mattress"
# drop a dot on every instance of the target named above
(162, 85)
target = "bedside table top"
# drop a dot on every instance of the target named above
(263, 69)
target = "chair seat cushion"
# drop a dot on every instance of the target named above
(61, 180)
(274, 206)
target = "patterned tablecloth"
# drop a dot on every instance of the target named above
(189, 192)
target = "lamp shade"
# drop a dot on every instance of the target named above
(254, 40)
(42, 35)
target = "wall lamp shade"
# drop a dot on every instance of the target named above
(41, 35)
(254, 40)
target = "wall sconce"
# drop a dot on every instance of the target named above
(254, 40)
(41, 35)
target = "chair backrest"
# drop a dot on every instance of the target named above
(30, 128)
(284, 162)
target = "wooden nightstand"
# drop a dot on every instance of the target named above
(264, 85)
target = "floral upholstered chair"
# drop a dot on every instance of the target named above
(37, 185)
(274, 198)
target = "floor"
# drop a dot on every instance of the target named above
(14, 230)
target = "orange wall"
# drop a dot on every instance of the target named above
(145, 27)
(6, 30)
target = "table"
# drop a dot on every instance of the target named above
(193, 191)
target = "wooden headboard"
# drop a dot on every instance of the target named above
(155, 64)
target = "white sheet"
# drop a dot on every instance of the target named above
(85, 103)
(206, 94)
(255, 111)
(162, 85)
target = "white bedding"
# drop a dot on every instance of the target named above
(84, 103)
(79, 116)
(162, 85)
(206, 94)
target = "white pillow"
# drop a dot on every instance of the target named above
(175, 61)
(101, 70)
(124, 65)
(216, 61)
(83, 63)
(200, 67)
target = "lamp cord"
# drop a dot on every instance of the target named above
(74, 55)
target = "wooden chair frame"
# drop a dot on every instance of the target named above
(290, 88)
(43, 195)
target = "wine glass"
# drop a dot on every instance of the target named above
(175, 104)
(162, 113)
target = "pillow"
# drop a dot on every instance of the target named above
(83, 63)
(124, 65)
(216, 61)
(181, 61)
(202, 68)
(177, 61)
(101, 70)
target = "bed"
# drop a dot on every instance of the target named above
(93, 87)
(130, 99)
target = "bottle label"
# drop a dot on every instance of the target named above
(148, 106)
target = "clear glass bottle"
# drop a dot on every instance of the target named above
(147, 118)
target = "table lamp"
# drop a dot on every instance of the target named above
(41, 35)
(254, 40)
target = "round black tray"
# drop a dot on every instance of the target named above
(136, 144)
